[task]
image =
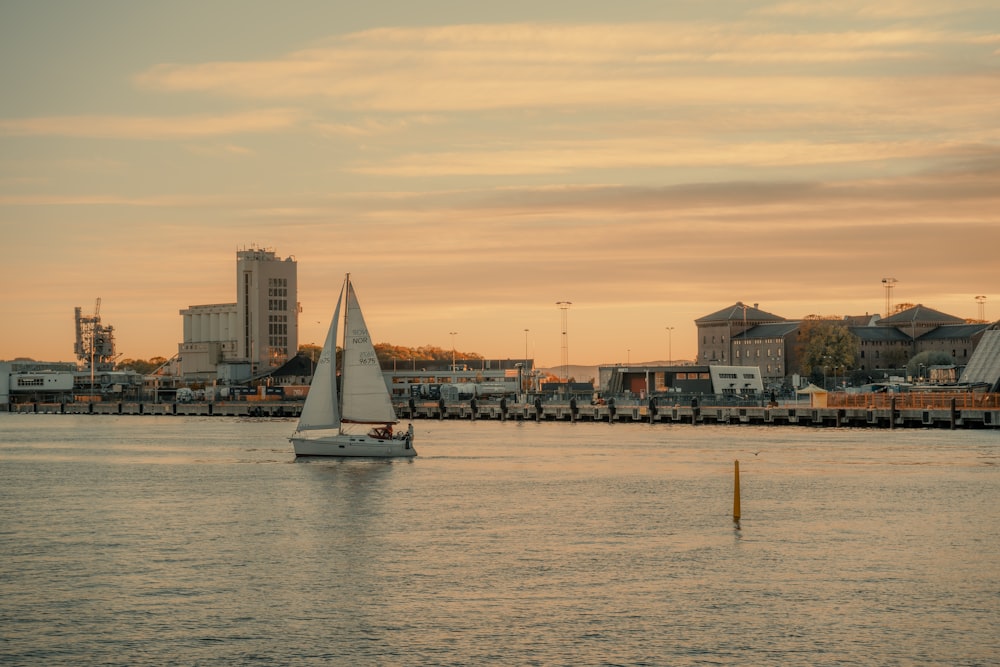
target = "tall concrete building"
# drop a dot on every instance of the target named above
(236, 341)
(266, 308)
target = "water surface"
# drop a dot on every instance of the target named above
(169, 540)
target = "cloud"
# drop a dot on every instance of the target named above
(477, 67)
(152, 127)
(864, 9)
(652, 152)
(223, 150)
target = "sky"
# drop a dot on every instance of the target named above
(473, 164)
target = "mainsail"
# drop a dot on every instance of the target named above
(365, 399)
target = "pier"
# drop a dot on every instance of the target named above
(874, 411)
(907, 410)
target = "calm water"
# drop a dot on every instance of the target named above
(181, 541)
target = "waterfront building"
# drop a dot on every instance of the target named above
(30, 381)
(233, 342)
(464, 378)
(210, 333)
(642, 381)
(748, 336)
(716, 331)
(770, 348)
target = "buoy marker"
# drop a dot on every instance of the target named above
(736, 494)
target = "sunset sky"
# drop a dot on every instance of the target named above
(472, 164)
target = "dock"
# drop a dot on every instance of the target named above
(877, 411)
(901, 411)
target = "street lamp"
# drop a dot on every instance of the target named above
(888, 283)
(521, 382)
(452, 334)
(670, 345)
(564, 307)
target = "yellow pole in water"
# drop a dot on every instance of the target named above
(736, 494)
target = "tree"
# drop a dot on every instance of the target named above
(826, 345)
(141, 366)
(387, 352)
(311, 350)
(900, 307)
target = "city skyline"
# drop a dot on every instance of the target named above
(472, 167)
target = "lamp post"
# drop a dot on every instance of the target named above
(888, 283)
(670, 345)
(564, 307)
(453, 334)
(521, 382)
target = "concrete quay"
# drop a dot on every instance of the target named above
(268, 409)
(885, 414)
(790, 414)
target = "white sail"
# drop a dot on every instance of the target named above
(329, 428)
(321, 410)
(365, 398)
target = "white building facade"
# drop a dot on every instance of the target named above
(257, 333)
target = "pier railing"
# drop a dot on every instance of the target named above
(914, 400)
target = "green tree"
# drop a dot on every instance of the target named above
(826, 346)
(387, 353)
(142, 366)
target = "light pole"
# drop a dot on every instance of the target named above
(564, 307)
(525, 358)
(889, 283)
(981, 300)
(453, 334)
(670, 345)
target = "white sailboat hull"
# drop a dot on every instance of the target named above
(345, 445)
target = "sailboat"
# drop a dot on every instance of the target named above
(358, 420)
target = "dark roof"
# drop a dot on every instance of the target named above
(951, 331)
(735, 313)
(920, 314)
(776, 330)
(878, 333)
(860, 320)
(299, 365)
